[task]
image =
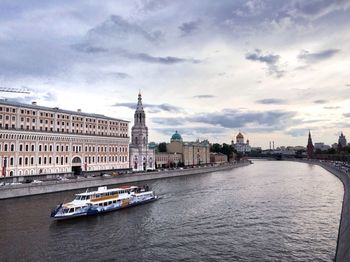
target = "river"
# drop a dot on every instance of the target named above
(267, 211)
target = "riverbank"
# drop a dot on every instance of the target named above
(22, 190)
(343, 242)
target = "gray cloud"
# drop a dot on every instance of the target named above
(49, 96)
(169, 121)
(143, 57)
(228, 118)
(346, 114)
(297, 132)
(37, 96)
(118, 28)
(85, 48)
(119, 75)
(347, 84)
(269, 59)
(203, 96)
(189, 28)
(152, 108)
(332, 107)
(318, 56)
(192, 131)
(314, 9)
(320, 101)
(168, 60)
(234, 119)
(269, 101)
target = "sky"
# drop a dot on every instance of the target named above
(271, 69)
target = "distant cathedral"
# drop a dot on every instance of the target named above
(142, 157)
(240, 146)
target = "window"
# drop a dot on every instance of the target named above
(27, 148)
(32, 160)
(12, 147)
(20, 147)
(20, 161)
(33, 148)
(26, 161)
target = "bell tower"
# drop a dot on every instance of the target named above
(139, 131)
(142, 157)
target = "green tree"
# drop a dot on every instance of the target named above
(217, 148)
(162, 147)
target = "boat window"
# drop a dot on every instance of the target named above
(105, 203)
(87, 197)
(97, 195)
(65, 210)
(114, 201)
(71, 210)
(100, 204)
(110, 202)
(77, 198)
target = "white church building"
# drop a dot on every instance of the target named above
(142, 157)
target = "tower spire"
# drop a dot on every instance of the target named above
(310, 147)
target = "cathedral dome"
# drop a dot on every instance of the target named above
(239, 135)
(176, 137)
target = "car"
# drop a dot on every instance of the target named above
(37, 181)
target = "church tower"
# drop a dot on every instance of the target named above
(142, 158)
(310, 147)
(139, 131)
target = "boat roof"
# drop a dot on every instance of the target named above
(105, 190)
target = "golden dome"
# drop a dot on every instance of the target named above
(239, 135)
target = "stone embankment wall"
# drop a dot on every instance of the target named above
(343, 242)
(22, 190)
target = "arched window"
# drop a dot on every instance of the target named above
(12, 147)
(20, 161)
(26, 161)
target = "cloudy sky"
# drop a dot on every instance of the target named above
(272, 69)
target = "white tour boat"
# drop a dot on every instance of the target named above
(103, 200)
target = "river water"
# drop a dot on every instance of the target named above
(268, 211)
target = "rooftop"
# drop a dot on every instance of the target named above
(56, 110)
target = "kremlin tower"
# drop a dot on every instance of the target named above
(310, 147)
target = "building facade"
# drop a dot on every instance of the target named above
(142, 156)
(42, 140)
(218, 158)
(165, 160)
(191, 153)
